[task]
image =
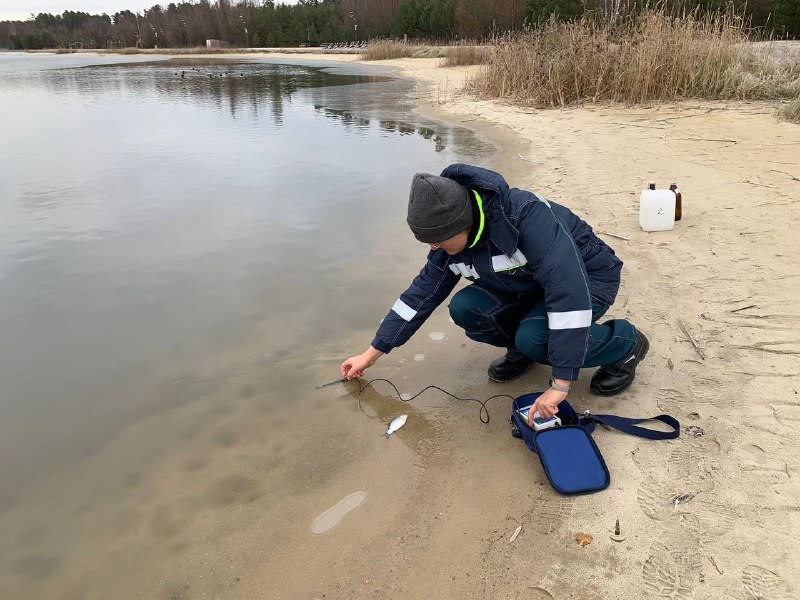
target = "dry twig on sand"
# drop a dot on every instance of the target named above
(713, 562)
(743, 308)
(614, 235)
(794, 177)
(685, 330)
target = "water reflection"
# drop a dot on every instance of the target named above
(387, 126)
(251, 90)
(184, 246)
(221, 83)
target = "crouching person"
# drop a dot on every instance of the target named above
(540, 277)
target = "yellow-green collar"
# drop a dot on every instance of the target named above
(482, 221)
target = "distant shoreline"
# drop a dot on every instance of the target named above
(199, 50)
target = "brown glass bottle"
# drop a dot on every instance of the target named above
(678, 204)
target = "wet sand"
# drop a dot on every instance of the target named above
(444, 494)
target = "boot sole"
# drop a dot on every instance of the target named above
(631, 380)
(528, 368)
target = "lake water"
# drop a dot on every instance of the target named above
(188, 247)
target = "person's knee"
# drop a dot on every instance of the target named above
(459, 311)
(531, 339)
(464, 311)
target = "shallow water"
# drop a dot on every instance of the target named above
(187, 247)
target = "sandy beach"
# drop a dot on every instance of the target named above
(728, 271)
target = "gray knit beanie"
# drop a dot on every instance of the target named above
(438, 208)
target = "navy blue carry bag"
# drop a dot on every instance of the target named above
(570, 458)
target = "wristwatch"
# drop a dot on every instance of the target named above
(558, 387)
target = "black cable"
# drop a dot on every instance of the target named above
(483, 412)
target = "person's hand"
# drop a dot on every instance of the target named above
(356, 365)
(546, 404)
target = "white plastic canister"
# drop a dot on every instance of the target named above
(657, 210)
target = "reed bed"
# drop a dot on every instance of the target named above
(389, 49)
(644, 57)
(791, 111)
(468, 53)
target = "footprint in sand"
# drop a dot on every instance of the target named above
(691, 463)
(654, 498)
(698, 517)
(757, 460)
(706, 520)
(551, 513)
(765, 585)
(695, 464)
(331, 517)
(669, 570)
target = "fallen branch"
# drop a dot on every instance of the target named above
(685, 330)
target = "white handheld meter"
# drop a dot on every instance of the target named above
(539, 423)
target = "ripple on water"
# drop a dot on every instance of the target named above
(331, 517)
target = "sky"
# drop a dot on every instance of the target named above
(22, 9)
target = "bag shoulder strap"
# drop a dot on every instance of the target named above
(631, 426)
(623, 424)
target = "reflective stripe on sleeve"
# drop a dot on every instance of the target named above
(574, 319)
(404, 310)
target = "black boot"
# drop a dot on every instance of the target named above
(615, 378)
(512, 366)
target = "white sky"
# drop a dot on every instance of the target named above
(22, 9)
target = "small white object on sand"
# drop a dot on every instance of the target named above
(437, 335)
(396, 424)
(419, 357)
(331, 517)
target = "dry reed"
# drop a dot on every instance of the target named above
(642, 58)
(388, 49)
(791, 111)
(465, 54)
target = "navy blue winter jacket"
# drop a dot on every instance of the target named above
(530, 245)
